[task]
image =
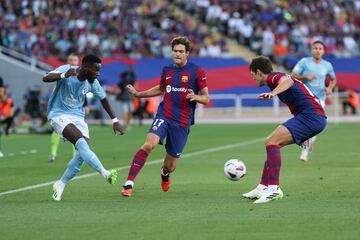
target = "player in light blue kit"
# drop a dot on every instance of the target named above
(312, 71)
(66, 116)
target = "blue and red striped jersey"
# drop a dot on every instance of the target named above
(298, 97)
(176, 82)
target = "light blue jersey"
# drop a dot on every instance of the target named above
(321, 70)
(69, 94)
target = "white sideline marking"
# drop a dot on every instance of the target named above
(187, 155)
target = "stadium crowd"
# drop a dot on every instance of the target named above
(43, 28)
(136, 29)
(284, 27)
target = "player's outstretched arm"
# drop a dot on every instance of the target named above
(303, 77)
(152, 92)
(52, 77)
(203, 98)
(284, 84)
(116, 125)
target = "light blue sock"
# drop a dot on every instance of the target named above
(89, 156)
(73, 168)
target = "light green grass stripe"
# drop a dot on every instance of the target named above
(187, 155)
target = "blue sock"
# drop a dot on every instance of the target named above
(89, 156)
(73, 168)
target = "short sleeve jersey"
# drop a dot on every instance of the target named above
(69, 94)
(321, 70)
(176, 82)
(298, 97)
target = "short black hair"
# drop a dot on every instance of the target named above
(73, 54)
(181, 40)
(319, 42)
(262, 63)
(90, 59)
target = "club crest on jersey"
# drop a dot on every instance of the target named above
(184, 79)
(154, 128)
(85, 90)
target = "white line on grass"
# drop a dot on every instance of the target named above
(187, 155)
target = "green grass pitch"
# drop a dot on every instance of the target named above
(322, 197)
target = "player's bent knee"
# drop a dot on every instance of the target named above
(270, 141)
(148, 147)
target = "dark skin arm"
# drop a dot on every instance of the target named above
(52, 77)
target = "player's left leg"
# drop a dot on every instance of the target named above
(76, 131)
(280, 137)
(54, 141)
(308, 148)
(168, 167)
(175, 144)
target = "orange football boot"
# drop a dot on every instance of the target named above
(126, 192)
(165, 185)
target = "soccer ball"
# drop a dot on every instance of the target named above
(234, 169)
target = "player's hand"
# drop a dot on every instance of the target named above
(310, 77)
(71, 72)
(328, 91)
(131, 89)
(268, 95)
(118, 130)
(191, 95)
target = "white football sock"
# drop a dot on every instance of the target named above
(105, 173)
(129, 182)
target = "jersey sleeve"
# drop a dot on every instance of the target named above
(331, 73)
(200, 78)
(299, 67)
(273, 79)
(163, 79)
(61, 69)
(97, 90)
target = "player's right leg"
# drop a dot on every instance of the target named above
(281, 136)
(138, 162)
(72, 169)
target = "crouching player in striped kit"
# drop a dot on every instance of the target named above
(309, 120)
(183, 85)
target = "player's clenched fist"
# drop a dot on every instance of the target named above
(70, 72)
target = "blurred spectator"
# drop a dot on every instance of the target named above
(144, 108)
(351, 101)
(7, 112)
(127, 77)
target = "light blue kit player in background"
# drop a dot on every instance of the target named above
(312, 71)
(66, 115)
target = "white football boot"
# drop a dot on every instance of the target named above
(255, 193)
(58, 189)
(270, 194)
(304, 155)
